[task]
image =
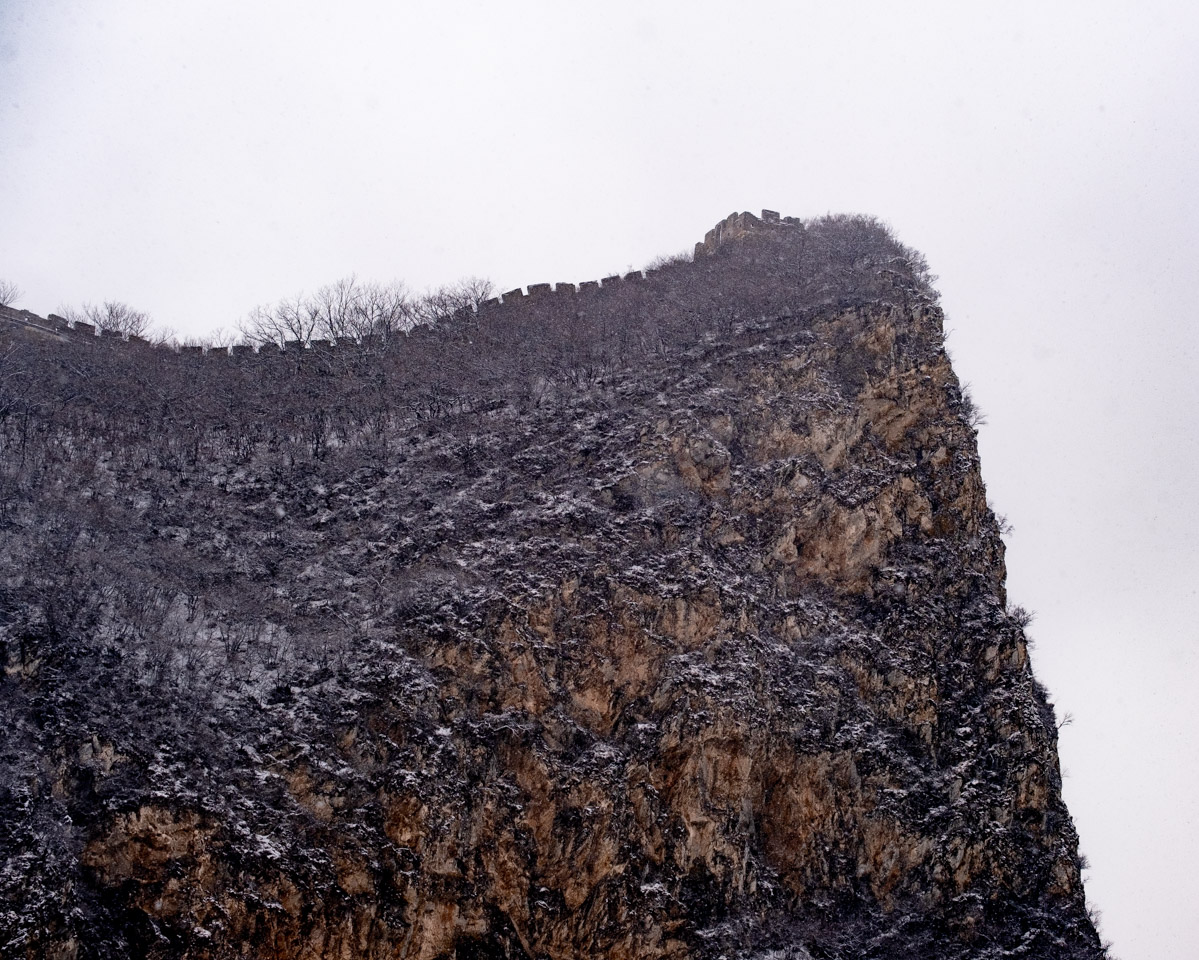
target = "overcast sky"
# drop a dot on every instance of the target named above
(195, 159)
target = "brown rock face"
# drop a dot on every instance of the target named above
(710, 658)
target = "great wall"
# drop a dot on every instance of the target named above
(593, 297)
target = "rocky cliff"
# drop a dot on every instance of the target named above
(676, 627)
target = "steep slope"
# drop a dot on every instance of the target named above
(694, 646)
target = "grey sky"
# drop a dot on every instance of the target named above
(198, 158)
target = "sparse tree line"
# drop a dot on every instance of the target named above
(358, 311)
(111, 316)
(10, 293)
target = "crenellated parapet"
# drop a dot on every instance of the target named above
(52, 326)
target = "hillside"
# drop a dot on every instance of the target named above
(658, 617)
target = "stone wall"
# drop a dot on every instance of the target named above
(516, 307)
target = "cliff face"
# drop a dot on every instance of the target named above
(705, 654)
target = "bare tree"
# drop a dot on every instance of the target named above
(386, 310)
(120, 318)
(351, 309)
(111, 315)
(669, 260)
(292, 319)
(336, 308)
(348, 309)
(440, 304)
(10, 293)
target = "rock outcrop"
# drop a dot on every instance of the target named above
(699, 651)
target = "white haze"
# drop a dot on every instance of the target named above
(198, 158)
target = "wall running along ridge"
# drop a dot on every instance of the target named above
(595, 296)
